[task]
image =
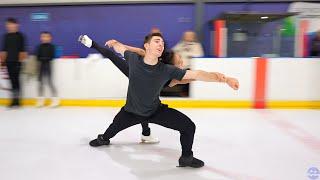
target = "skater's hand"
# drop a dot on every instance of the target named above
(233, 83)
(117, 46)
(221, 77)
(111, 43)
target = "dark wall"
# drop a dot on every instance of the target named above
(126, 23)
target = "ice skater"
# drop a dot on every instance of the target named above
(147, 76)
(167, 57)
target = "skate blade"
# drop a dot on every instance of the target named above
(180, 166)
(149, 142)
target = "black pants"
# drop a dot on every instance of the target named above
(164, 116)
(14, 69)
(123, 66)
(45, 73)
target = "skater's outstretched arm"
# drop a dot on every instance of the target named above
(107, 53)
(121, 64)
(174, 82)
(190, 75)
(139, 51)
(119, 47)
(200, 75)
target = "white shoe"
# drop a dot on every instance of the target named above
(149, 139)
(85, 40)
(55, 102)
(40, 102)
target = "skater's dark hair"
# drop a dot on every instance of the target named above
(167, 56)
(148, 37)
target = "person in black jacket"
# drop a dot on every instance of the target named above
(45, 54)
(13, 53)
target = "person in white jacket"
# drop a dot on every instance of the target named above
(188, 47)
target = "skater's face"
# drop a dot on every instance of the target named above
(155, 46)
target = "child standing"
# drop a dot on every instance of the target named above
(45, 54)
